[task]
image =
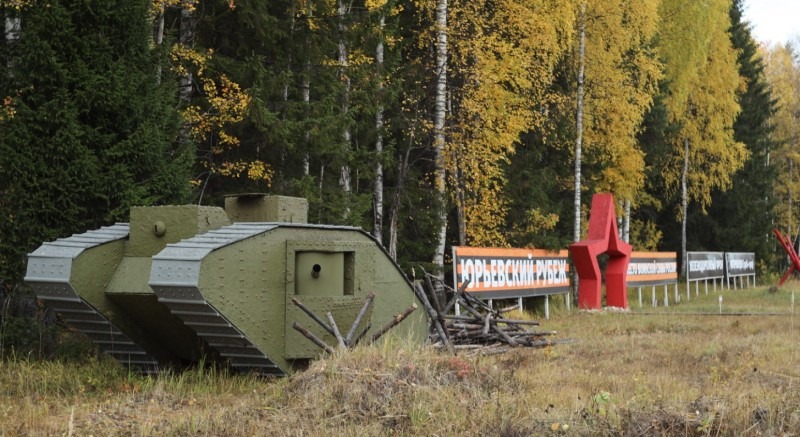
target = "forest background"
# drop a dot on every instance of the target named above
(428, 123)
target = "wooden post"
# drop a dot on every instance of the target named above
(336, 332)
(547, 307)
(357, 321)
(314, 339)
(313, 316)
(676, 291)
(392, 323)
(434, 318)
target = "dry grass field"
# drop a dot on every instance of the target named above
(684, 370)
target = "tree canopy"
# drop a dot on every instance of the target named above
(405, 118)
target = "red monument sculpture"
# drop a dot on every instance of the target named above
(788, 246)
(602, 237)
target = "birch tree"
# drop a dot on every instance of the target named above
(11, 33)
(439, 139)
(504, 55)
(703, 78)
(622, 74)
(576, 229)
(783, 75)
(345, 178)
(381, 8)
(377, 189)
(743, 217)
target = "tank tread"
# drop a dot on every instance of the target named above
(265, 369)
(107, 337)
(234, 349)
(217, 331)
(49, 274)
(185, 300)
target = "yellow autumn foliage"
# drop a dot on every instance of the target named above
(622, 74)
(503, 56)
(255, 170)
(222, 106)
(158, 6)
(783, 75)
(704, 79)
(227, 104)
(185, 59)
(16, 5)
(7, 110)
(372, 5)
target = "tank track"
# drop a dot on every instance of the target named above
(218, 332)
(181, 294)
(49, 271)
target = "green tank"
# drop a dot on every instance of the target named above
(181, 284)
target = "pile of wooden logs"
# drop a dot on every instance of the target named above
(479, 329)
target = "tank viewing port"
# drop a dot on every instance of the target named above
(323, 273)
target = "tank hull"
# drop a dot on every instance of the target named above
(181, 285)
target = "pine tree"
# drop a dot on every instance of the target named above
(93, 133)
(309, 75)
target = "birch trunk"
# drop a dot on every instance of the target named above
(394, 210)
(579, 124)
(185, 39)
(345, 179)
(158, 38)
(286, 82)
(13, 27)
(579, 140)
(321, 178)
(684, 202)
(626, 224)
(306, 88)
(377, 191)
(289, 60)
(158, 30)
(438, 129)
(307, 100)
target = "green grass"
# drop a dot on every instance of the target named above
(761, 300)
(681, 370)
